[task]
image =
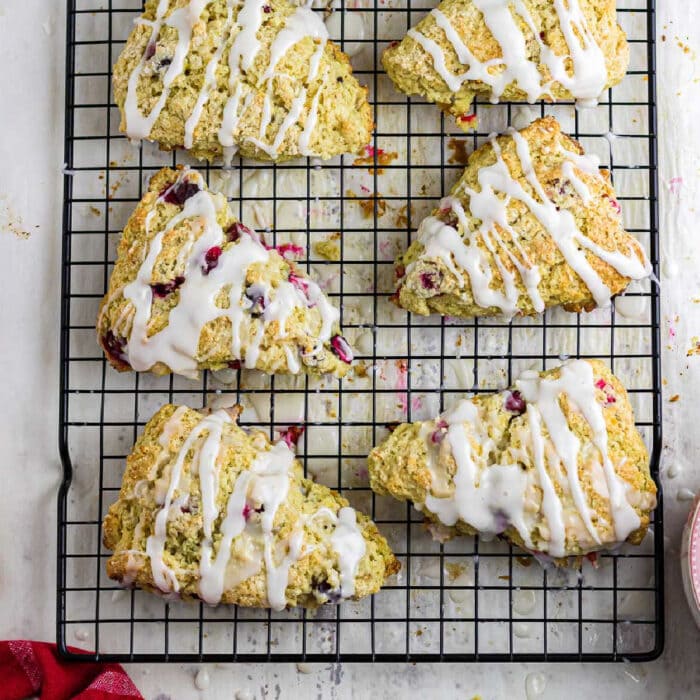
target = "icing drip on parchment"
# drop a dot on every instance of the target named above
(459, 250)
(238, 49)
(260, 489)
(549, 498)
(204, 277)
(586, 80)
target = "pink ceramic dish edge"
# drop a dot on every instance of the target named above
(690, 560)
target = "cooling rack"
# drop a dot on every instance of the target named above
(465, 600)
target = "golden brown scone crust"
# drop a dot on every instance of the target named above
(344, 118)
(598, 219)
(411, 67)
(398, 466)
(131, 520)
(215, 339)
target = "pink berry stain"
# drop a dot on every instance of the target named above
(438, 435)
(289, 250)
(675, 184)
(616, 206)
(607, 390)
(342, 349)
(371, 151)
(299, 283)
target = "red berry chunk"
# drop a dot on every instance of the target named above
(291, 435)
(515, 402)
(236, 230)
(593, 558)
(115, 347)
(150, 50)
(180, 192)
(211, 259)
(162, 289)
(429, 280)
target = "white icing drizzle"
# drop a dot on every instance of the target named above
(576, 380)
(163, 577)
(264, 486)
(182, 20)
(490, 205)
(349, 545)
(241, 35)
(482, 497)
(301, 23)
(209, 84)
(491, 496)
(588, 75)
(177, 344)
(311, 119)
(213, 573)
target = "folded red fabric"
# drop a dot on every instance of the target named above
(30, 669)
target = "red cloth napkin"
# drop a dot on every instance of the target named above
(29, 669)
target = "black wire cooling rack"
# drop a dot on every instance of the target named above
(465, 600)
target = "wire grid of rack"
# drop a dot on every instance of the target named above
(464, 600)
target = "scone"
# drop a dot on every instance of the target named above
(193, 288)
(531, 223)
(510, 50)
(208, 510)
(257, 77)
(555, 465)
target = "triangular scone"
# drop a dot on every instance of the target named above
(257, 77)
(532, 223)
(554, 465)
(211, 511)
(510, 50)
(194, 289)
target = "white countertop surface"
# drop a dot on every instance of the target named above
(31, 152)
